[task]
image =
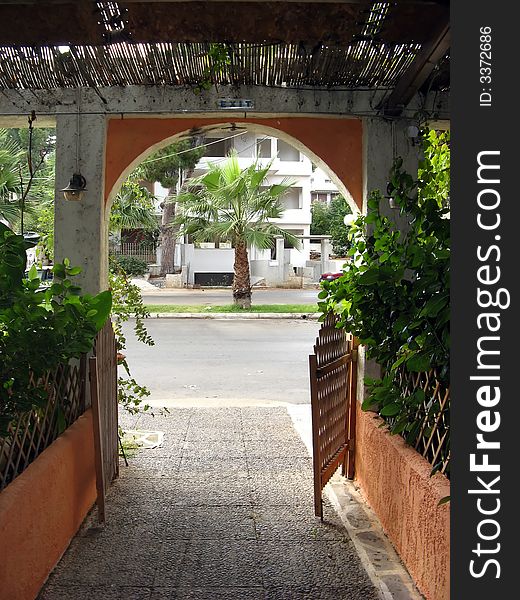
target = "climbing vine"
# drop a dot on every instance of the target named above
(218, 58)
(126, 303)
(394, 294)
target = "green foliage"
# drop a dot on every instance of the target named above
(434, 171)
(11, 156)
(131, 265)
(228, 204)
(39, 329)
(166, 165)
(327, 219)
(394, 296)
(217, 59)
(19, 191)
(127, 303)
(133, 208)
(26, 174)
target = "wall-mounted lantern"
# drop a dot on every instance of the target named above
(74, 191)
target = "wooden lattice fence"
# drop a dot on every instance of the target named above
(35, 430)
(431, 437)
(333, 396)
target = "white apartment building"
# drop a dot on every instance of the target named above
(207, 265)
(322, 188)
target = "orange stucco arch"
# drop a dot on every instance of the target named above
(335, 141)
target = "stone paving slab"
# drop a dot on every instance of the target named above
(209, 593)
(62, 592)
(215, 514)
(211, 523)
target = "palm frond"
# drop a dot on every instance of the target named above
(133, 208)
(9, 212)
(228, 203)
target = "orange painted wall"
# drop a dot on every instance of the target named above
(41, 510)
(396, 482)
(338, 142)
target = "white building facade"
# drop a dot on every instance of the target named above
(207, 265)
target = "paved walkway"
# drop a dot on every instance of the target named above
(222, 510)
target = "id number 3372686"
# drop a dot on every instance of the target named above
(485, 66)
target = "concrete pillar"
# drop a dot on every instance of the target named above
(280, 258)
(382, 142)
(326, 249)
(81, 227)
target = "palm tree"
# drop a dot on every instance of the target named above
(11, 155)
(133, 208)
(26, 173)
(237, 206)
(166, 166)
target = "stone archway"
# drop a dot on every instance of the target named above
(355, 152)
(334, 144)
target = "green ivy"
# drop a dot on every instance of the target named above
(127, 303)
(39, 328)
(394, 294)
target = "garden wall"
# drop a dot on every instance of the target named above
(396, 482)
(42, 509)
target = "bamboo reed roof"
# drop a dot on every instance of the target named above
(350, 44)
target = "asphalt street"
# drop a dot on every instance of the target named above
(213, 296)
(221, 363)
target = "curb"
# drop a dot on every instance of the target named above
(225, 316)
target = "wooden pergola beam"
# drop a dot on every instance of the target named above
(419, 71)
(122, 2)
(63, 22)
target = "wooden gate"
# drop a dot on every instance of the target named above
(103, 392)
(333, 378)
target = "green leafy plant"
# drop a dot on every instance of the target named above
(167, 166)
(127, 303)
(133, 207)
(327, 219)
(394, 294)
(233, 204)
(132, 265)
(39, 328)
(217, 59)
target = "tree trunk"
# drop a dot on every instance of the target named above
(168, 232)
(168, 235)
(241, 279)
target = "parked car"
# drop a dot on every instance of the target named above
(330, 276)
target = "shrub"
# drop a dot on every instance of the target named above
(394, 296)
(132, 265)
(39, 328)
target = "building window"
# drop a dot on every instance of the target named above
(292, 199)
(263, 148)
(218, 147)
(319, 197)
(286, 152)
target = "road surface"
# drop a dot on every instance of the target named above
(214, 362)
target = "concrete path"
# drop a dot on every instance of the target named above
(222, 510)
